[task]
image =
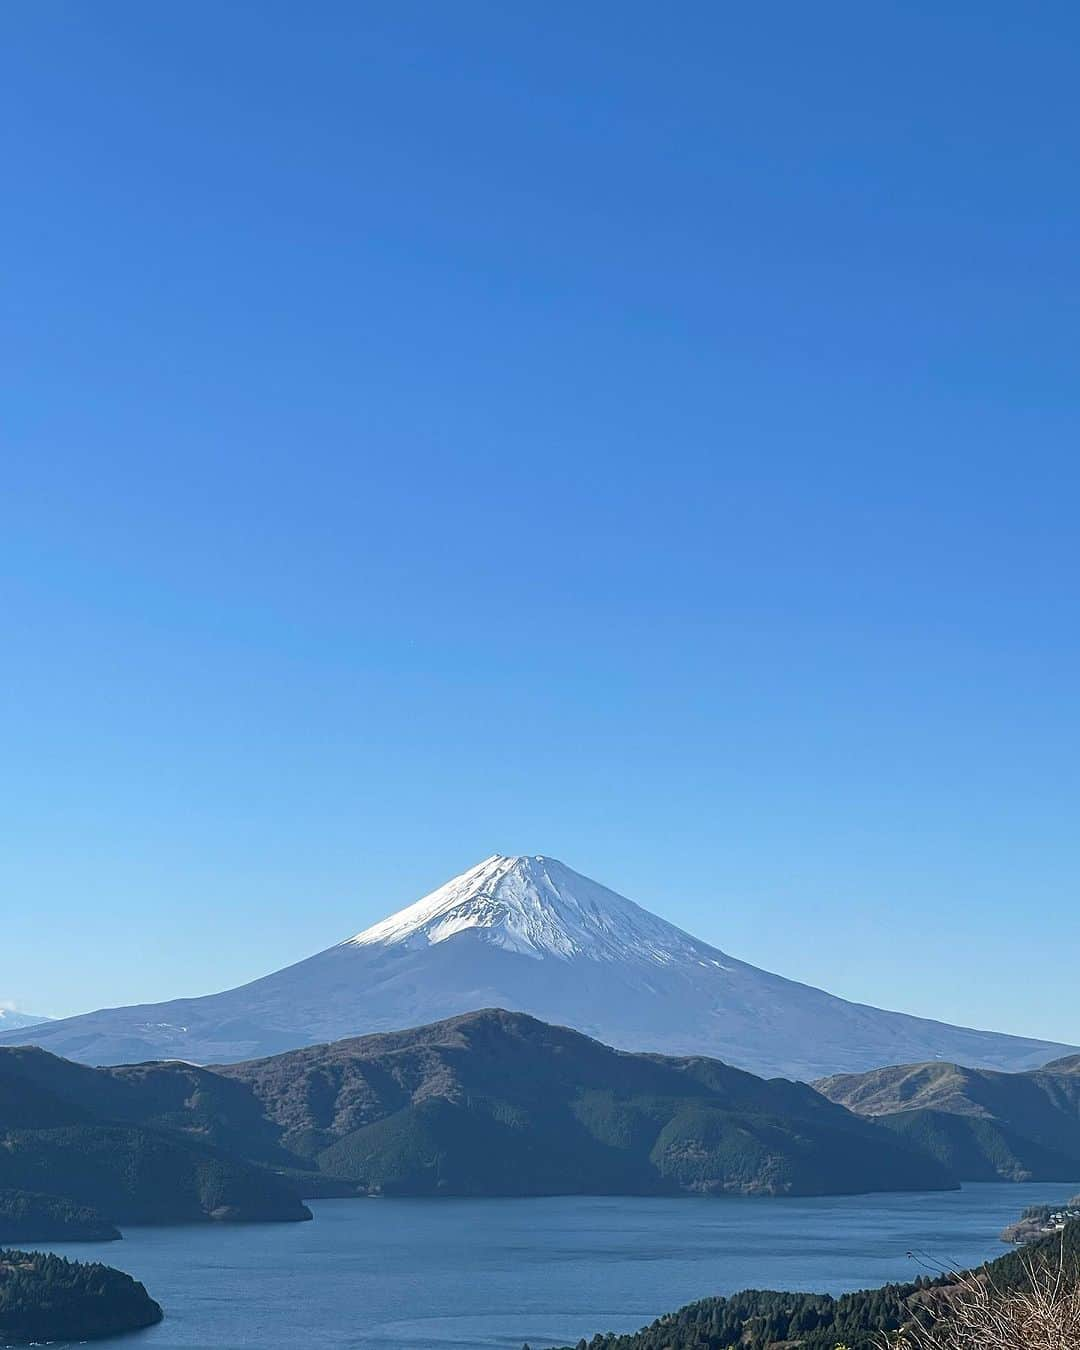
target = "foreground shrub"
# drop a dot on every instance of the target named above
(1040, 1313)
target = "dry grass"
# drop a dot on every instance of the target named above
(1042, 1314)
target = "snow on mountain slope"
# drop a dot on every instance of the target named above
(539, 908)
(531, 935)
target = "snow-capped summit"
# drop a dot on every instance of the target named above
(531, 935)
(538, 907)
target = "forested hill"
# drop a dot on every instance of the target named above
(488, 1103)
(90, 1141)
(45, 1298)
(981, 1124)
(498, 1103)
(768, 1320)
(27, 1216)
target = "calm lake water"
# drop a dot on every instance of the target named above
(490, 1274)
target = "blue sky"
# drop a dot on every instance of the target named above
(643, 436)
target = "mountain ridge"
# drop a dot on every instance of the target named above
(529, 933)
(498, 1103)
(103, 1139)
(10, 1020)
(982, 1124)
(486, 1103)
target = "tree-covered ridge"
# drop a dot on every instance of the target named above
(498, 1103)
(29, 1217)
(143, 1176)
(47, 1298)
(88, 1138)
(769, 1320)
(38, 1090)
(755, 1319)
(981, 1124)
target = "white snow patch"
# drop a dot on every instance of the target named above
(538, 907)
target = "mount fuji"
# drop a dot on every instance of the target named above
(531, 935)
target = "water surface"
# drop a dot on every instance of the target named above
(490, 1274)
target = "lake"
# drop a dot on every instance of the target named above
(490, 1274)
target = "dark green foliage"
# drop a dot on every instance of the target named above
(26, 1103)
(497, 1103)
(756, 1319)
(107, 1140)
(181, 1098)
(45, 1298)
(27, 1217)
(142, 1176)
(981, 1124)
(766, 1320)
(978, 1149)
(490, 1103)
(1009, 1272)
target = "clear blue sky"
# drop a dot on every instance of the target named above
(643, 435)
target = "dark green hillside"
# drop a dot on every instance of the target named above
(26, 1103)
(27, 1217)
(497, 1103)
(769, 1320)
(976, 1148)
(173, 1096)
(201, 1103)
(981, 1124)
(66, 1133)
(490, 1103)
(45, 1298)
(143, 1176)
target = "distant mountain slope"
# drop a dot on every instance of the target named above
(79, 1134)
(497, 1103)
(10, 1020)
(528, 933)
(981, 1124)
